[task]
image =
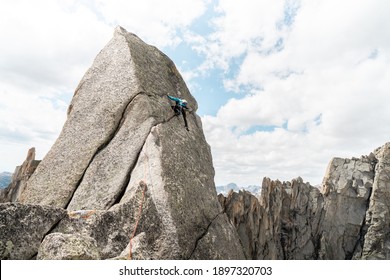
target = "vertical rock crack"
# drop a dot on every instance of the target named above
(128, 176)
(204, 234)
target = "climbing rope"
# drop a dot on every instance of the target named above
(84, 214)
(143, 185)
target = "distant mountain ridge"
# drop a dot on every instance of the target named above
(5, 179)
(254, 189)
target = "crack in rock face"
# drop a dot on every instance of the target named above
(109, 172)
(377, 239)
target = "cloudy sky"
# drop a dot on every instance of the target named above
(283, 85)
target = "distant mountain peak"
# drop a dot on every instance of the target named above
(5, 179)
(254, 189)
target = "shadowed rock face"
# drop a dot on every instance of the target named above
(347, 189)
(124, 166)
(290, 230)
(245, 213)
(282, 224)
(377, 239)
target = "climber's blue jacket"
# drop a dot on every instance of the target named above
(178, 101)
(179, 108)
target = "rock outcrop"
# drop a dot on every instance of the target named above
(290, 227)
(348, 219)
(19, 178)
(127, 171)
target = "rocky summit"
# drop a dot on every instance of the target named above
(124, 179)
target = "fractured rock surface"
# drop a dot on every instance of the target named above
(290, 224)
(347, 189)
(283, 224)
(245, 213)
(377, 238)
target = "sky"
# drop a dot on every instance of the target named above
(283, 86)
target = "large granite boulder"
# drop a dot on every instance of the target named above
(58, 246)
(114, 228)
(121, 134)
(22, 228)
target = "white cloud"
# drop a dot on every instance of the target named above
(158, 22)
(239, 27)
(328, 84)
(27, 121)
(48, 43)
(46, 47)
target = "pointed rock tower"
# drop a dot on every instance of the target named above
(124, 166)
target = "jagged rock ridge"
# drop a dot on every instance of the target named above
(120, 133)
(19, 178)
(348, 219)
(232, 186)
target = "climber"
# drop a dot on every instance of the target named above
(179, 107)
